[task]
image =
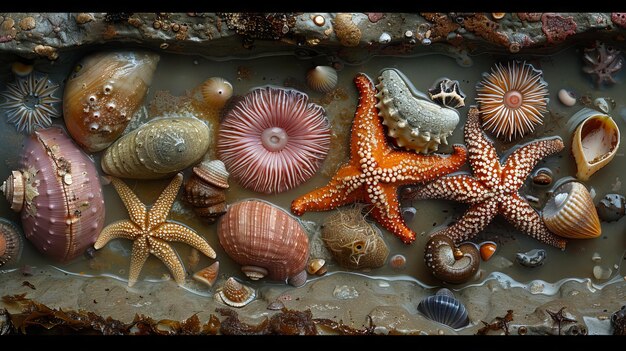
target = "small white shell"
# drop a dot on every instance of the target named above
(566, 98)
(322, 78)
(235, 294)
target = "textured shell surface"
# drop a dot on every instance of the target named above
(449, 263)
(444, 309)
(103, 93)
(257, 233)
(64, 208)
(354, 242)
(11, 242)
(235, 294)
(214, 172)
(413, 120)
(157, 149)
(570, 213)
(322, 78)
(208, 275)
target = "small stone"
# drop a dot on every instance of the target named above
(28, 23)
(83, 18)
(46, 51)
(567, 98)
(384, 38)
(602, 273)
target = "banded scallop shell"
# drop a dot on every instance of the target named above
(449, 263)
(206, 189)
(265, 240)
(157, 149)
(595, 142)
(570, 213)
(103, 93)
(58, 194)
(235, 294)
(444, 308)
(322, 78)
(413, 120)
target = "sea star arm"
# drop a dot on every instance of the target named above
(522, 161)
(386, 211)
(136, 210)
(175, 232)
(121, 229)
(164, 252)
(161, 208)
(474, 220)
(482, 154)
(461, 188)
(525, 219)
(138, 257)
(337, 192)
(416, 168)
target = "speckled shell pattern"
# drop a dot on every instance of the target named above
(67, 214)
(103, 93)
(157, 149)
(413, 120)
(257, 233)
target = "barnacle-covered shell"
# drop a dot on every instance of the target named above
(63, 208)
(157, 149)
(322, 78)
(446, 92)
(11, 242)
(235, 294)
(449, 263)
(206, 189)
(445, 309)
(103, 93)
(413, 120)
(531, 259)
(612, 207)
(595, 142)
(257, 234)
(354, 242)
(208, 275)
(570, 213)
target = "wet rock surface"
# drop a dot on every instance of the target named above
(380, 306)
(351, 37)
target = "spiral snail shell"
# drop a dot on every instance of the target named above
(449, 263)
(58, 192)
(103, 93)
(206, 189)
(157, 149)
(265, 240)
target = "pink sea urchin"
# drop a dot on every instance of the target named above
(273, 139)
(512, 99)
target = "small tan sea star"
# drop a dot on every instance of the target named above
(150, 231)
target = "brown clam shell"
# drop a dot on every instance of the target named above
(257, 233)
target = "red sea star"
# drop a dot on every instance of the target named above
(376, 170)
(494, 189)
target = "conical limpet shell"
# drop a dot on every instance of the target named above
(235, 294)
(412, 119)
(570, 213)
(322, 78)
(208, 275)
(595, 142)
(157, 149)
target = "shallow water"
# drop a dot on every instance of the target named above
(176, 75)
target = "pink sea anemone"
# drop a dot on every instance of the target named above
(273, 139)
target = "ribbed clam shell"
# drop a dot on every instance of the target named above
(11, 242)
(63, 208)
(412, 119)
(322, 78)
(235, 294)
(595, 142)
(208, 275)
(570, 213)
(213, 172)
(444, 309)
(103, 93)
(157, 149)
(257, 233)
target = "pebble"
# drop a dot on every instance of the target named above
(384, 38)
(566, 98)
(602, 273)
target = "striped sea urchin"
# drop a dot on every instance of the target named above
(273, 139)
(29, 103)
(512, 99)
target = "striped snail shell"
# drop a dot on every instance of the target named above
(206, 189)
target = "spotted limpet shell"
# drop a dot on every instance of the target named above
(412, 119)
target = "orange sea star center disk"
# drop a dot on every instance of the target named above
(513, 99)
